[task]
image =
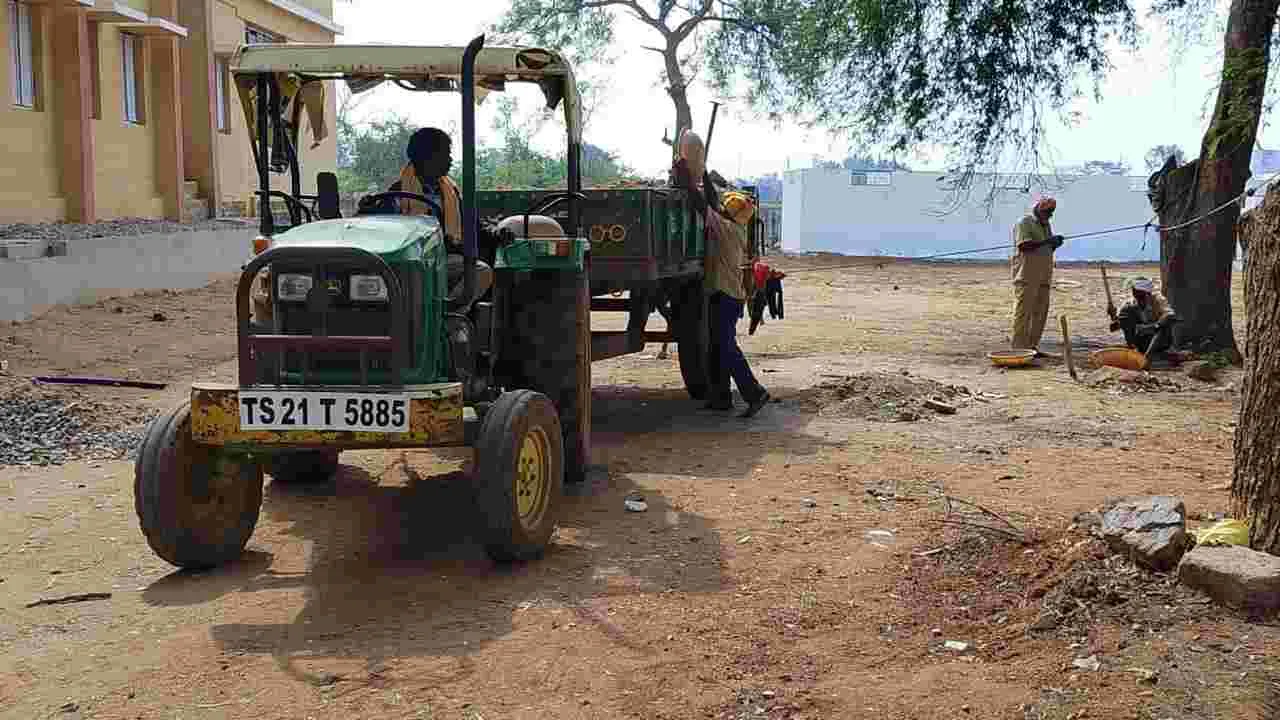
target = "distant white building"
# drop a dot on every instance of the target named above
(909, 214)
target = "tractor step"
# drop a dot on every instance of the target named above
(610, 304)
(615, 343)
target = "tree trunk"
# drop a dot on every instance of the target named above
(1195, 261)
(1255, 489)
(677, 88)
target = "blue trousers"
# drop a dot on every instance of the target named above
(727, 360)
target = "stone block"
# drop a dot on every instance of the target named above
(1151, 530)
(1233, 575)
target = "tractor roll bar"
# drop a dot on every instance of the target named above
(470, 212)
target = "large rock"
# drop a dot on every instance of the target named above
(1233, 575)
(1150, 530)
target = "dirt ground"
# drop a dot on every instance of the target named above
(803, 564)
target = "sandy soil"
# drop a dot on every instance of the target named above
(794, 566)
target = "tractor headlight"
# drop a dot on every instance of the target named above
(368, 288)
(293, 287)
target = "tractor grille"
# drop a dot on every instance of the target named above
(344, 317)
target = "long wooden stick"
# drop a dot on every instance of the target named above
(1066, 346)
(1111, 305)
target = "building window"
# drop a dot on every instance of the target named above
(221, 91)
(132, 64)
(21, 45)
(258, 36)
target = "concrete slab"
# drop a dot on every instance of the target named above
(94, 268)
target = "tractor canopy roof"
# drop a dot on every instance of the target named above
(422, 69)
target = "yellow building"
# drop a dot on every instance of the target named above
(124, 108)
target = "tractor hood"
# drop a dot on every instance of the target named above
(388, 236)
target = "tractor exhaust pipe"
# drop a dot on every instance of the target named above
(470, 228)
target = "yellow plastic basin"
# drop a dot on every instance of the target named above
(1011, 358)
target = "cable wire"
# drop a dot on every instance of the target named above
(1249, 192)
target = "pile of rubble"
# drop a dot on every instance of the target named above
(1152, 532)
(885, 397)
(1119, 380)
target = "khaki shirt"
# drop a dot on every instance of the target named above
(1154, 311)
(1032, 267)
(726, 255)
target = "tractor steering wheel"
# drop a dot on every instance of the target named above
(432, 205)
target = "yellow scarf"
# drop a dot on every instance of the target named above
(450, 200)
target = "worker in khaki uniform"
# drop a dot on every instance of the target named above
(726, 259)
(1032, 270)
(1147, 319)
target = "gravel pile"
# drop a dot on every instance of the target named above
(108, 228)
(50, 431)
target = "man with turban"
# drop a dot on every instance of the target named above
(1146, 319)
(1032, 270)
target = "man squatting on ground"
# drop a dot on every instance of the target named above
(1032, 270)
(1146, 318)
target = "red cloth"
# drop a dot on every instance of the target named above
(761, 272)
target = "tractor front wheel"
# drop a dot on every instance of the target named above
(519, 475)
(197, 505)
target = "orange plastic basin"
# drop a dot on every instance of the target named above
(1119, 357)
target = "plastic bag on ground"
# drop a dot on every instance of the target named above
(1223, 532)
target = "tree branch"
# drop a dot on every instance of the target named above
(650, 48)
(632, 5)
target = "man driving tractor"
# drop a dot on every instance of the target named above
(427, 174)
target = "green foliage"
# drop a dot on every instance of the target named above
(1156, 156)
(975, 75)
(372, 154)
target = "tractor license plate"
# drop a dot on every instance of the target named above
(310, 410)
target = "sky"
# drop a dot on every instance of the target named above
(1153, 96)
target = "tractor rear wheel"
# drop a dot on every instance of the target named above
(548, 349)
(197, 505)
(519, 475)
(303, 466)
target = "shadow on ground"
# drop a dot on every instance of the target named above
(395, 569)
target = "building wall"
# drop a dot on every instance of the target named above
(823, 211)
(30, 181)
(237, 176)
(792, 210)
(126, 153)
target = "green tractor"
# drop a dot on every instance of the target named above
(349, 336)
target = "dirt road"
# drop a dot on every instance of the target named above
(793, 566)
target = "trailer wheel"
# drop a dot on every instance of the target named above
(693, 338)
(519, 475)
(197, 505)
(303, 466)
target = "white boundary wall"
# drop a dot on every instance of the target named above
(94, 268)
(897, 214)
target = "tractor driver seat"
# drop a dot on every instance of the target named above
(328, 202)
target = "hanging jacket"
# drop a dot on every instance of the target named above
(773, 293)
